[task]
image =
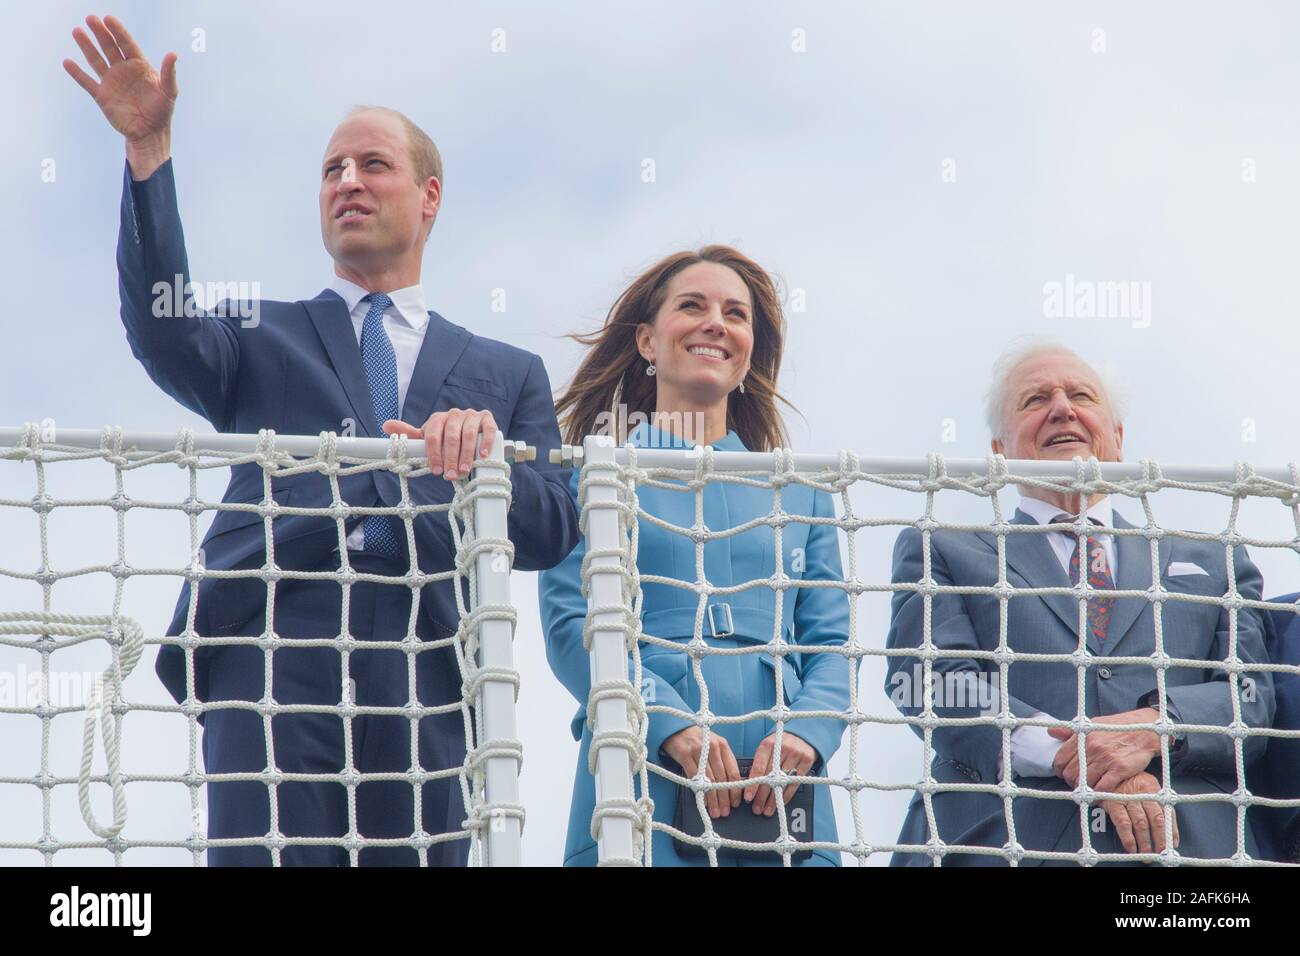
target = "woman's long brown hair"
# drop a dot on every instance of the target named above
(613, 371)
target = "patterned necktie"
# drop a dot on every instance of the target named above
(383, 533)
(1099, 577)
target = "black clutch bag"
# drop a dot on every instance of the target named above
(743, 824)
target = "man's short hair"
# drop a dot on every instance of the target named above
(426, 161)
(1031, 346)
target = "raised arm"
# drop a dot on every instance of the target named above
(135, 99)
(191, 356)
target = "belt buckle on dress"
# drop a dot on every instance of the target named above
(728, 629)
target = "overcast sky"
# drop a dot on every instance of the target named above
(918, 175)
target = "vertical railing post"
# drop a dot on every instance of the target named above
(609, 656)
(496, 653)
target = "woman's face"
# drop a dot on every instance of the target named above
(702, 338)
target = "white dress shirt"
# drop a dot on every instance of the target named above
(405, 321)
(1033, 748)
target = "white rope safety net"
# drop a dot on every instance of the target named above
(479, 578)
(614, 485)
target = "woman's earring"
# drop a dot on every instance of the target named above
(742, 386)
(650, 369)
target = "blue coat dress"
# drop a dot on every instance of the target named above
(737, 684)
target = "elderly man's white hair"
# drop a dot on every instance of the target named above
(1028, 347)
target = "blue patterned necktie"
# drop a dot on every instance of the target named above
(383, 532)
(1099, 577)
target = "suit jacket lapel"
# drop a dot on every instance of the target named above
(1133, 554)
(442, 348)
(1032, 557)
(334, 326)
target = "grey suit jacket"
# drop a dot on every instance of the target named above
(1049, 624)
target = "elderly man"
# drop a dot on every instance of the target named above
(1047, 403)
(366, 354)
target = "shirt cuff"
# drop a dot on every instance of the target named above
(1032, 750)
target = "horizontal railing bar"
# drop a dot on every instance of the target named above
(748, 461)
(299, 446)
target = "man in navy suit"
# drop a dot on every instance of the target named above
(364, 352)
(1046, 403)
(1278, 773)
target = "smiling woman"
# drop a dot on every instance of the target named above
(699, 337)
(699, 334)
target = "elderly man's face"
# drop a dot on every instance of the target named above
(372, 211)
(1056, 409)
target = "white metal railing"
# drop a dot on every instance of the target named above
(610, 475)
(483, 560)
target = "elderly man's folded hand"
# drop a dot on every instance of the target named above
(1140, 825)
(1113, 756)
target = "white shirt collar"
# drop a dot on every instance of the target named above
(1044, 511)
(408, 302)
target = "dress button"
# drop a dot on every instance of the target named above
(1104, 673)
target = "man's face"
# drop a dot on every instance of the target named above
(1056, 409)
(372, 211)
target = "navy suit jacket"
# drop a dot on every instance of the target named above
(1278, 775)
(298, 370)
(1048, 624)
